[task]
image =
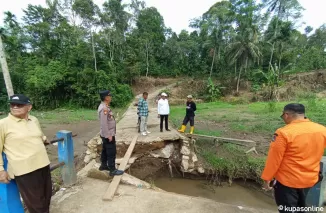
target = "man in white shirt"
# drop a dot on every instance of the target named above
(163, 110)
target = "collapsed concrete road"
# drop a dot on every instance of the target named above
(134, 195)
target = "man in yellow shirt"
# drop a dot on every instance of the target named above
(22, 140)
(294, 158)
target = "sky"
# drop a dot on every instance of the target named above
(178, 13)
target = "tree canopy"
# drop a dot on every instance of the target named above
(66, 52)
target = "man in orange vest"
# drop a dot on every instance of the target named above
(294, 158)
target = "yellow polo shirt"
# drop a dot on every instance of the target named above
(22, 142)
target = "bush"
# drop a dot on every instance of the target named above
(212, 92)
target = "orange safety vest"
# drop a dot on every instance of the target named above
(295, 153)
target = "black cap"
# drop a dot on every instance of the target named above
(104, 93)
(296, 108)
(19, 99)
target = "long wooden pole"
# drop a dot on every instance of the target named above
(227, 140)
(109, 194)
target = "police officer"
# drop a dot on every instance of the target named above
(107, 133)
(294, 158)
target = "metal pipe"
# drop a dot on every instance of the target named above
(58, 140)
(55, 166)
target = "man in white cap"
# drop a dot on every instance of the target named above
(163, 110)
(190, 115)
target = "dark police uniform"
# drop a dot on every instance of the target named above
(108, 129)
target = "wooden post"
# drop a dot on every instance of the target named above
(9, 195)
(66, 155)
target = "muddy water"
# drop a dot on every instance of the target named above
(235, 195)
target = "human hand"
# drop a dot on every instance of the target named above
(4, 177)
(110, 138)
(267, 186)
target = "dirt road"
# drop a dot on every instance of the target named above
(85, 131)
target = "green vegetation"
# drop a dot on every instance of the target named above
(259, 118)
(64, 53)
(229, 160)
(233, 120)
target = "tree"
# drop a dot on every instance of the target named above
(282, 9)
(4, 66)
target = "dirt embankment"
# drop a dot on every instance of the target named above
(150, 84)
(291, 86)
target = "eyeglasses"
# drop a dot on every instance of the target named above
(12, 105)
(284, 114)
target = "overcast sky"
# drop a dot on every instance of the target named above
(177, 13)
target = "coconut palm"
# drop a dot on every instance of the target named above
(244, 51)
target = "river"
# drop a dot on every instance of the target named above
(235, 195)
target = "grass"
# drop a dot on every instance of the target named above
(258, 120)
(230, 160)
(69, 116)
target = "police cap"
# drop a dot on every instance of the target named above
(104, 93)
(296, 108)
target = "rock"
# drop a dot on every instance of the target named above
(185, 142)
(84, 171)
(92, 142)
(194, 157)
(165, 152)
(184, 157)
(191, 166)
(97, 174)
(185, 165)
(91, 146)
(93, 155)
(88, 152)
(87, 159)
(185, 150)
(99, 142)
(201, 170)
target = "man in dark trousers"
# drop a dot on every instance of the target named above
(107, 133)
(22, 140)
(163, 110)
(190, 115)
(294, 159)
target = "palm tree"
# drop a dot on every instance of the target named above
(244, 51)
(4, 66)
(277, 6)
(280, 7)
